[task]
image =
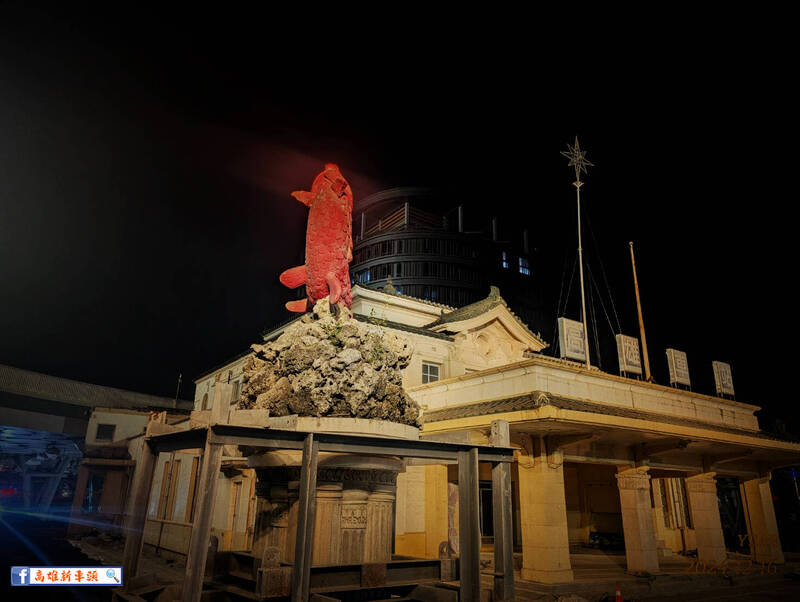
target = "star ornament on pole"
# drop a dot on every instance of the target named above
(577, 159)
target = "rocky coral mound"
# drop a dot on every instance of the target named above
(326, 365)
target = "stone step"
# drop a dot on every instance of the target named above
(244, 563)
(242, 575)
(237, 592)
(395, 585)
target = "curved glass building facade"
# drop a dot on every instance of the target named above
(421, 242)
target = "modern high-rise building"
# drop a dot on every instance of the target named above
(431, 247)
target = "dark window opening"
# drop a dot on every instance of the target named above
(105, 432)
(486, 515)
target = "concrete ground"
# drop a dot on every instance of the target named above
(109, 551)
(788, 590)
(597, 574)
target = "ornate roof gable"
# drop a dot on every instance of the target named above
(489, 312)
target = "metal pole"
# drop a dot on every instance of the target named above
(307, 507)
(577, 159)
(646, 359)
(178, 388)
(578, 185)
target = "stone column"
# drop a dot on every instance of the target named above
(543, 514)
(378, 534)
(292, 511)
(637, 520)
(765, 544)
(353, 523)
(701, 490)
(262, 525)
(327, 538)
(272, 524)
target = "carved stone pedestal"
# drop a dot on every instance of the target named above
(355, 499)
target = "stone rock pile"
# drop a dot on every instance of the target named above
(331, 365)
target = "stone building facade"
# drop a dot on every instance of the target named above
(601, 460)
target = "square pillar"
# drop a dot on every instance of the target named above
(637, 520)
(503, 590)
(765, 544)
(543, 514)
(205, 494)
(701, 490)
(136, 520)
(75, 528)
(469, 534)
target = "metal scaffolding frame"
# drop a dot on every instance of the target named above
(212, 439)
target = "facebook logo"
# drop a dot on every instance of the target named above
(19, 575)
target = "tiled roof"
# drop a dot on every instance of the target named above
(404, 327)
(537, 399)
(480, 307)
(472, 310)
(18, 440)
(389, 289)
(53, 388)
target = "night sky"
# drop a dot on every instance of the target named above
(145, 173)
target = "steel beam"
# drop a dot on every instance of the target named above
(226, 434)
(134, 525)
(501, 508)
(469, 536)
(201, 525)
(307, 506)
(355, 444)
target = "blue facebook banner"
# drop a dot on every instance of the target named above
(66, 575)
(19, 575)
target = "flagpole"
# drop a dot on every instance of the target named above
(178, 388)
(577, 159)
(578, 185)
(647, 375)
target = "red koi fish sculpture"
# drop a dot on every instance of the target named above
(329, 242)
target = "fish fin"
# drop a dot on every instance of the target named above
(304, 197)
(294, 277)
(339, 186)
(334, 288)
(297, 306)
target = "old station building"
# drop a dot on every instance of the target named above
(602, 461)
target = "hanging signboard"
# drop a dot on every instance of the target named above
(723, 378)
(571, 339)
(678, 368)
(630, 362)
